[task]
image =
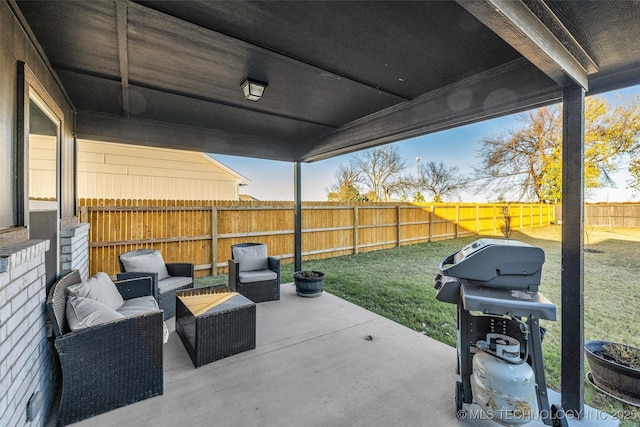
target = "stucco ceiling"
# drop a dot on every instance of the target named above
(341, 75)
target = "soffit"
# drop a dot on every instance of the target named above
(341, 76)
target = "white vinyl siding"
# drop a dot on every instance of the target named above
(42, 167)
(121, 171)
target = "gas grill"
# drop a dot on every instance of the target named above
(494, 284)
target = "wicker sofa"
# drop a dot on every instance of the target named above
(254, 274)
(167, 277)
(99, 362)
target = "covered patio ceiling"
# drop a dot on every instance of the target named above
(342, 76)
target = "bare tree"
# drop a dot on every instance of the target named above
(381, 171)
(440, 181)
(346, 189)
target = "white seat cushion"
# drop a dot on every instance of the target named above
(256, 276)
(173, 282)
(134, 306)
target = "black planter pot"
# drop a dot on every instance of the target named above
(619, 381)
(308, 283)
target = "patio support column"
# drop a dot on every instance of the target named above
(572, 377)
(297, 243)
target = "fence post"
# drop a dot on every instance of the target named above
(214, 241)
(530, 216)
(478, 219)
(355, 229)
(610, 211)
(431, 216)
(457, 220)
(520, 217)
(398, 221)
(495, 219)
(84, 213)
(540, 207)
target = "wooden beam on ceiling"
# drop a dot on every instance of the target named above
(541, 38)
(111, 128)
(123, 54)
(514, 87)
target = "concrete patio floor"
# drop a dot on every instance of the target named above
(313, 366)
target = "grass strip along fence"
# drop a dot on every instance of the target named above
(202, 232)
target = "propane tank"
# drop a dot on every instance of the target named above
(504, 389)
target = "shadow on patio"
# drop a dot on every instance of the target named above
(315, 364)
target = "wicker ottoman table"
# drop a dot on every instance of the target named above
(215, 322)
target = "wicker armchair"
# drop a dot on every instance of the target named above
(99, 362)
(180, 276)
(254, 274)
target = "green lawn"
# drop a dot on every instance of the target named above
(398, 284)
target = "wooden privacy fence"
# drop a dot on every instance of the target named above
(202, 232)
(612, 215)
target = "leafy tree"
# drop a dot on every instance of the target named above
(440, 180)
(526, 162)
(381, 170)
(418, 197)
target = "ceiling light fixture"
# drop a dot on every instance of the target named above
(253, 89)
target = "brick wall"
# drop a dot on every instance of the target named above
(27, 359)
(74, 249)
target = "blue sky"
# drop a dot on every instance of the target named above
(273, 180)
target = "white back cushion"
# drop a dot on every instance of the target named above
(84, 312)
(98, 288)
(251, 258)
(147, 263)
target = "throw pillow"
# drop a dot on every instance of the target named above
(147, 263)
(84, 312)
(99, 288)
(251, 258)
